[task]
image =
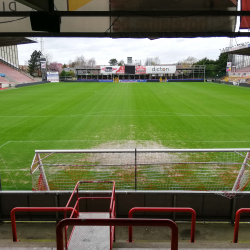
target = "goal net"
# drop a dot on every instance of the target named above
(222, 171)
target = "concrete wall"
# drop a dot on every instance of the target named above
(208, 206)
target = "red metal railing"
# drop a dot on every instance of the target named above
(116, 222)
(237, 222)
(36, 209)
(163, 209)
(111, 208)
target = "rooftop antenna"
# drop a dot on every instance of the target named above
(231, 43)
(42, 46)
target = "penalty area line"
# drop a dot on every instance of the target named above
(5, 144)
(41, 141)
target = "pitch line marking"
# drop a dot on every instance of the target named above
(112, 141)
(119, 115)
(5, 144)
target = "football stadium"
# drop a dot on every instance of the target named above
(170, 142)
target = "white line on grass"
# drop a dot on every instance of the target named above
(5, 144)
(119, 115)
(7, 170)
(38, 141)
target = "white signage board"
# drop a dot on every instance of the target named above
(53, 76)
(43, 65)
(160, 69)
(108, 70)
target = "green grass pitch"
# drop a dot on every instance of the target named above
(87, 115)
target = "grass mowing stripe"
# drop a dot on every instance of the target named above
(86, 115)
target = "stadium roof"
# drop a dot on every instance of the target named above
(122, 18)
(244, 50)
(8, 41)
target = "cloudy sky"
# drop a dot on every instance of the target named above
(169, 50)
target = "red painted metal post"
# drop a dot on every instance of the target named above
(77, 197)
(163, 209)
(117, 222)
(237, 222)
(34, 209)
(76, 189)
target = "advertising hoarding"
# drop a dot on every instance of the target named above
(53, 76)
(160, 69)
(229, 66)
(108, 80)
(140, 70)
(108, 70)
(115, 70)
(131, 80)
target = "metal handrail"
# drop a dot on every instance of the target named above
(116, 222)
(237, 222)
(80, 182)
(163, 209)
(76, 206)
(35, 209)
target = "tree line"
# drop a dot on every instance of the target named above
(214, 68)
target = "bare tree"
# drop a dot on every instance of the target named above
(187, 63)
(72, 64)
(91, 62)
(80, 62)
(152, 61)
(157, 60)
(49, 57)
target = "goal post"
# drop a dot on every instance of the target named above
(222, 171)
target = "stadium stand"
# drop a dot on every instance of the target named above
(3, 80)
(245, 69)
(14, 74)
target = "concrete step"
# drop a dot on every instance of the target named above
(91, 237)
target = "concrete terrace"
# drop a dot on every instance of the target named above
(34, 235)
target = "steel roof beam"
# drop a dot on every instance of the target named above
(127, 34)
(132, 13)
(47, 5)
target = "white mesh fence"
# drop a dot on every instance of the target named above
(218, 170)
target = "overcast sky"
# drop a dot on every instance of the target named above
(169, 50)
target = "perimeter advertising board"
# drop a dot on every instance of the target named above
(115, 70)
(53, 76)
(160, 69)
(112, 70)
(131, 80)
(140, 70)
